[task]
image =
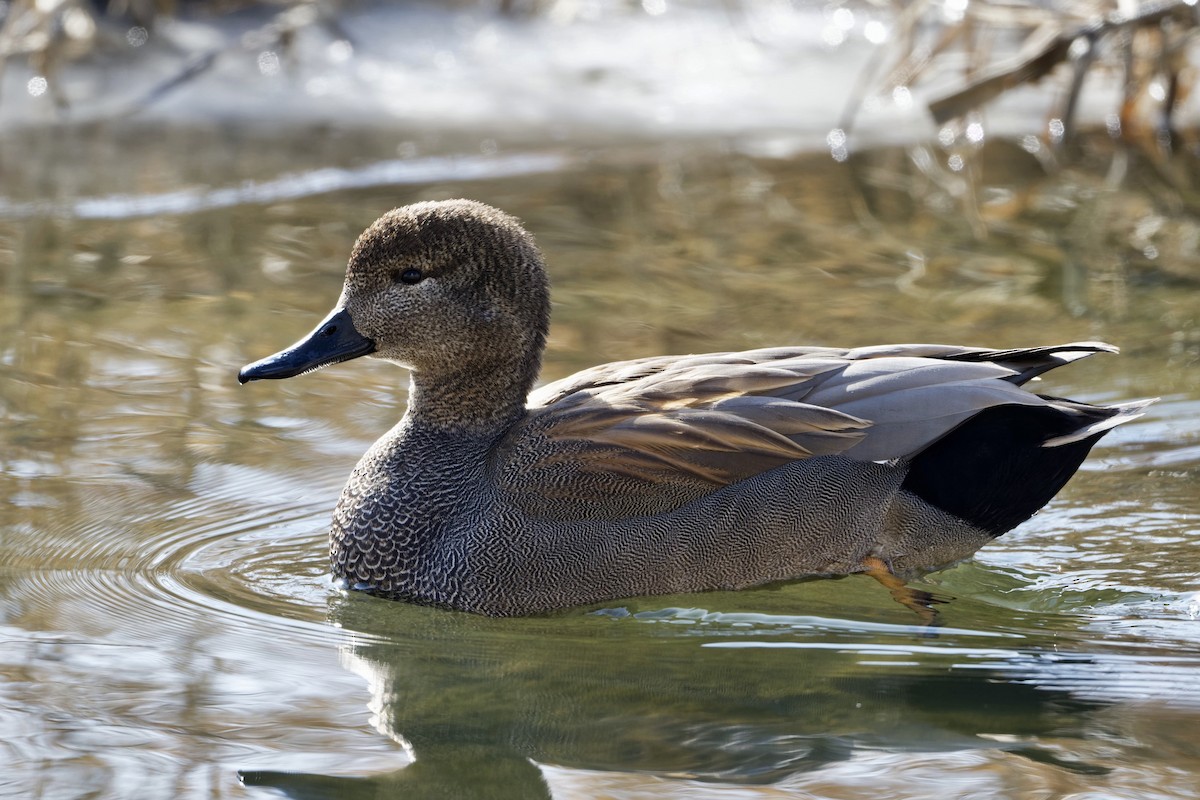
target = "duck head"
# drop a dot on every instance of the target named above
(454, 290)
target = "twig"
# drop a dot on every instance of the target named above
(1047, 55)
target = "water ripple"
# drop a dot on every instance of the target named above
(406, 171)
(242, 554)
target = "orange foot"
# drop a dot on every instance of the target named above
(919, 602)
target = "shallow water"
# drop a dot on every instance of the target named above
(164, 610)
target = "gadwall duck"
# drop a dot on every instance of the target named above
(659, 475)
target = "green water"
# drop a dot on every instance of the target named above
(165, 616)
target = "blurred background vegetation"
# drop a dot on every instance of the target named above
(963, 53)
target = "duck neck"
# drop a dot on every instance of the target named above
(478, 401)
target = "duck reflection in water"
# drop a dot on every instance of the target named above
(480, 705)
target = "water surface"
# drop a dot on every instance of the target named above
(164, 608)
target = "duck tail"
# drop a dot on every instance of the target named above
(1000, 467)
(1119, 413)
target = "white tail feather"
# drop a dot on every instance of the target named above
(1125, 413)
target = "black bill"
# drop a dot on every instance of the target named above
(334, 340)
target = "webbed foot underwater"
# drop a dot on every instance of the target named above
(667, 474)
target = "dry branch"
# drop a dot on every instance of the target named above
(1048, 53)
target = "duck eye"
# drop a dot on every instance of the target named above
(408, 276)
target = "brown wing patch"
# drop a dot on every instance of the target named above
(669, 433)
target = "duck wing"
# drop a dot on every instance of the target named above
(649, 435)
